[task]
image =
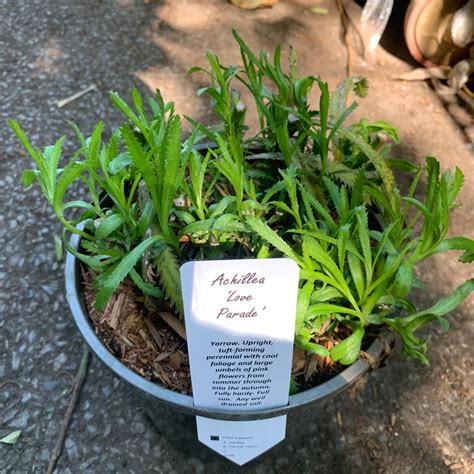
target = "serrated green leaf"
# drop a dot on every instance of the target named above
(327, 308)
(323, 106)
(466, 257)
(347, 351)
(15, 126)
(101, 252)
(119, 163)
(121, 270)
(355, 268)
(336, 277)
(81, 204)
(94, 143)
(458, 243)
(341, 119)
(293, 385)
(317, 234)
(325, 294)
(442, 307)
(311, 347)
(384, 242)
(28, 176)
(223, 223)
(195, 69)
(120, 104)
(109, 225)
(433, 167)
(454, 185)
(141, 159)
(166, 263)
(52, 154)
(318, 207)
(403, 281)
(137, 101)
(185, 216)
(376, 159)
(220, 207)
(47, 187)
(364, 239)
(266, 233)
(380, 200)
(342, 245)
(358, 189)
(420, 206)
(304, 295)
(334, 193)
(402, 165)
(147, 288)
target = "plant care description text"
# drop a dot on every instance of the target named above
(240, 318)
(242, 371)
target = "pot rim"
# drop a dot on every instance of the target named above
(184, 403)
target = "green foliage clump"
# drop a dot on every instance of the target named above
(303, 186)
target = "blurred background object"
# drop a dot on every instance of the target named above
(439, 32)
(374, 20)
(253, 4)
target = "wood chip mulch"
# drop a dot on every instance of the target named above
(140, 340)
(145, 343)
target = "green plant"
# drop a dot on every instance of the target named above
(303, 186)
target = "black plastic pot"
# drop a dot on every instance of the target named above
(168, 409)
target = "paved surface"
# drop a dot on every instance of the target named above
(406, 418)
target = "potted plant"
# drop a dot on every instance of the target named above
(302, 186)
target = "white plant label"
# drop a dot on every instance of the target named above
(240, 319)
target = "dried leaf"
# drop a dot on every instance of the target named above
(253, 4)
(174, 323)
(127, 341)
(11, 438)
(460, 73)
(422, 73)
(357, 387)
(311, 366)
(77, 95)
(320, 10)
(299, 360)
(176, 360)
(393, 420)
(114, 315)
(146, 338)
(154, 333)
(446, 93)
(58, 248)
(162, 356)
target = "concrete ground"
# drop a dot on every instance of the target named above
(405, 419)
